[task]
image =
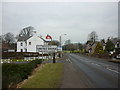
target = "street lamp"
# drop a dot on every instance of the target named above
(61, 44)
(61, 39)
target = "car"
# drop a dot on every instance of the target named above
(118, 56)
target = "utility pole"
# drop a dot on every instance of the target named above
(61, 44)
(60, 47)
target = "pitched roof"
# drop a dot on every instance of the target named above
(23, 38)
(26, 38)
(42, 39)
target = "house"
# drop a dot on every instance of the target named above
(117, 47)
(90, 46)
(28, 44)
(116, 42)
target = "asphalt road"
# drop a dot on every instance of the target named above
(101, 74)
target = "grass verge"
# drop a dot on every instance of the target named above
(49, 76)
(115, 61)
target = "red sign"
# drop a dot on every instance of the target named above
(48, 37)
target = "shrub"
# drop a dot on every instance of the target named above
(99, 49)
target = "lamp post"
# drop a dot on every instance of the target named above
(61, 42)
(61, 39)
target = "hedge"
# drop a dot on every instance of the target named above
(20, 55)
(12, 74)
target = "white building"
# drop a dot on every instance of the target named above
(29, 44)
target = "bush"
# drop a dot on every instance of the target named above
(99, 49)
(76, 51)
(15, 73)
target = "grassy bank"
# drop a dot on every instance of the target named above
(48, 77)
(115, 61)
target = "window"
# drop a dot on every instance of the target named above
(21, 44)
(29, 43)
(21, 50)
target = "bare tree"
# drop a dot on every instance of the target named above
(8, 38)
(93, 36)
(26, 32)
(1, 38)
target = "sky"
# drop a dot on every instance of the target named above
(76, 19)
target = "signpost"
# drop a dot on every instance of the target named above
(45, 49)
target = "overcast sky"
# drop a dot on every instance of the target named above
(76, 19)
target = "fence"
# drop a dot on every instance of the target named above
(8, 57)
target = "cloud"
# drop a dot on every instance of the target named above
(77, 20)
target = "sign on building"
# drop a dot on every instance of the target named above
(46, 48)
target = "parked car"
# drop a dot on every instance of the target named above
(118, 56)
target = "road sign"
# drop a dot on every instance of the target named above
(46, 48)
(59, 48)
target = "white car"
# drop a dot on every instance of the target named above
(118, 56)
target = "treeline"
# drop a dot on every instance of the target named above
(93, 46)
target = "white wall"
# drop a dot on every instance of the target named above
(19, 47)
(35, 40)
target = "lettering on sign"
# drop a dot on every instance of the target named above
(46, 48)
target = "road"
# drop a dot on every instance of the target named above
(101, 73)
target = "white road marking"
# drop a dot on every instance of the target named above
(92, 63)
(69, 60)
(97, 64)
(103, 65)
(112, 70)
(66, 59)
